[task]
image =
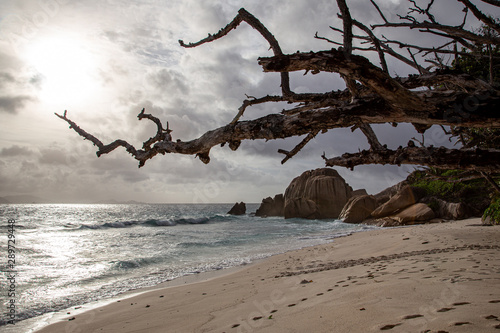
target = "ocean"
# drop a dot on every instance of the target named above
(67, 255)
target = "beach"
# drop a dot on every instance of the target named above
(426, 278)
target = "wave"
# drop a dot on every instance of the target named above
(157, 222)
(133, 263)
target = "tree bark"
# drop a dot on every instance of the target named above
(441, 97)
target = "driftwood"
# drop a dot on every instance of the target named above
(434, 96)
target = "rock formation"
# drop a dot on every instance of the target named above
(447, 210)
(399, 205)
(415, 213)
(358, 209)
(324, 194)
(402, 199)
(359, 192)
(238, 209)
(271, 207)
(316, 194)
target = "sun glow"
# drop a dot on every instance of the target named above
(66, 68)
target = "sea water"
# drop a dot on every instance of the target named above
(68, 255)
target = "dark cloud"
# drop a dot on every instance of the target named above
(168, 81)
(6, 77)
(195, 90)
(15, 85)
(15, 151)
(53, 157)
(12, 104)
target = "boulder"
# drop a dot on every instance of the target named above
(414, 214)
(358, 208)
(447, 210)
(238, 209)
(271, 207)
(302, 208)
(318, 194)
(402, 199)
(385, 195)
(452, 210)
(359, 192)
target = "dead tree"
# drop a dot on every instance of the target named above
(435, 95)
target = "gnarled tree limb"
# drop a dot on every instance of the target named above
(356, 67)
(244, 15)
(441, 97)
(476, 159)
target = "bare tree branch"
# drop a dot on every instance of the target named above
(492, 2)
(276, 126)
(371, 136)
(441, 97)
(357, 68)
(379, 11)
(244, 15)
(450, 31)
(302, 144)
(482, 17)
(478, 160)
(490, 180)
(376, 43)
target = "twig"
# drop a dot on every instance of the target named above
(294, 151)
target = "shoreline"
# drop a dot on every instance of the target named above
(346, 277)
(35, 324)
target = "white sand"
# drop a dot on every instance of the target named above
(428, 278)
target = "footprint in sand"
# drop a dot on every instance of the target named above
(462, 323)
(445, 309)
(412, 316)
(389, 327)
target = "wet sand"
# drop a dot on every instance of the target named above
(428, 278)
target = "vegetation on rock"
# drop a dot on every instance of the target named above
(492, 213)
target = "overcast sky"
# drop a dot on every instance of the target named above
(105, 60)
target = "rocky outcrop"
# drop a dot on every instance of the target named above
(400, 206)
(405, 197)
(447, 210)
(238, 209)
(384, 196)
(272, 207)
(358, 208)
(317, 194)
(359, 192)
(302, 208)
(414, 214)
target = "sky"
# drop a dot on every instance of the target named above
(105, 60)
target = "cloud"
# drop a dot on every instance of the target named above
(13, 104)
(16, 84)
(141, 65)
(168, 81)
(15, 151)
(53, 157)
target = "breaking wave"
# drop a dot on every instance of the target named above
(156, 222)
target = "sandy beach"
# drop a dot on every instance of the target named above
(427, 278)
